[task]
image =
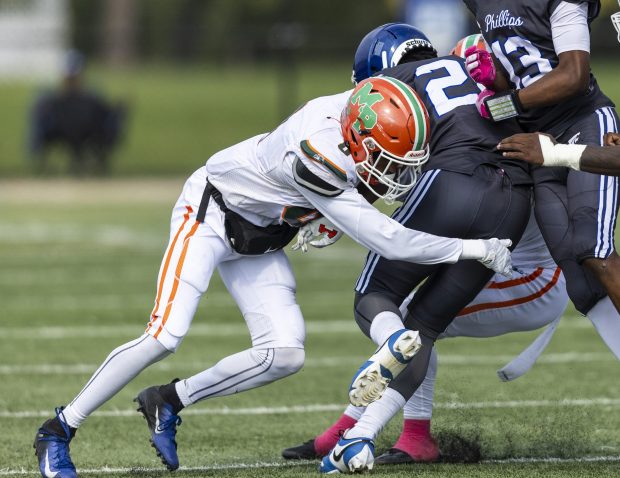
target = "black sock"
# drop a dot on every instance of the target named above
(169, 392)
(54, 426)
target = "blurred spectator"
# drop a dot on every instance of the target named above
(80, 120)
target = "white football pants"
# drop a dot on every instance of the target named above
(263, 286)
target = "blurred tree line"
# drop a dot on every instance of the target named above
(220, 31)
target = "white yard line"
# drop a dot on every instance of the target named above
(551, 459)
(332, 407)
(450, 359)
(197, 330)
(214, 330)
(292, 464)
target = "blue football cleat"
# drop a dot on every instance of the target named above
(52, 449)
(374, 376)
(350, 455)
(162, 423)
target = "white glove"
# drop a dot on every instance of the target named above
(493, 253)
(318, 233)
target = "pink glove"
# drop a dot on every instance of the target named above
(482, 108)
(480, 66)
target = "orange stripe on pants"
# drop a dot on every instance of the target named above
(510, 303)
(177, 275)
(164, 271)
(513, 282)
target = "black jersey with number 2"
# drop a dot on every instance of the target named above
(461, 139)
(519, 33)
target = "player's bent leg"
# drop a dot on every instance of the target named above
(119, 368)
(161, 405)
(373, 377)
(192, 255)
(242, 371)
(378, 316)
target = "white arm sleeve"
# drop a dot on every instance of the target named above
(569, 27)
(357, 218)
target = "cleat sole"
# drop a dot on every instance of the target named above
(370, 383)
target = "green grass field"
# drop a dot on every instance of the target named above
(78, 265)
(77, 278)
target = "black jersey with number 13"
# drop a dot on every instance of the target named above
(519, 33)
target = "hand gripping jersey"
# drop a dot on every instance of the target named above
(460, 139)
(520, 35)
(302, 168)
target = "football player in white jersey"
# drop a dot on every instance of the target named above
(236, 214)
(534, 298)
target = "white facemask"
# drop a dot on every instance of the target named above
(615, 19)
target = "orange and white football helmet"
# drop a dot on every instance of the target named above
(463, 44)
(386, 128)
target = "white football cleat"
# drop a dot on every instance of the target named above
(350, 455)
(374, 376)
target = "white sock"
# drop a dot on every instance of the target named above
(384, 325)
(354, 412)
(420, 405)
(377, 415)
(121, 366)
(606, 321)
(242, 371)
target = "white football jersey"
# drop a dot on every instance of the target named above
(303, 167)
(253, 176)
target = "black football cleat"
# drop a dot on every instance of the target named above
(305, 451)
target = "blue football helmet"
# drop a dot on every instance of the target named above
(385, 46)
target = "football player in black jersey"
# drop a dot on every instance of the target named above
(542, 74)
(463, 180)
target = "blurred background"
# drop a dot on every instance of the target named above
(173, 81)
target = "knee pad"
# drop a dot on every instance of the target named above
(167, 340)
(286, 361)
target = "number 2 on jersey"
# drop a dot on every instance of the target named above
(448, 90)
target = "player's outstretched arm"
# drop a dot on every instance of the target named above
(356, 217)
(541, 149)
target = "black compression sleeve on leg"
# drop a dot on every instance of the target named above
(368, 306)
(412, 377)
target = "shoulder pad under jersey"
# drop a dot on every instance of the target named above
(306, 178)
(594, 6)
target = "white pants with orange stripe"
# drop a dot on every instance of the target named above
(262, 286)
(535, 298)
